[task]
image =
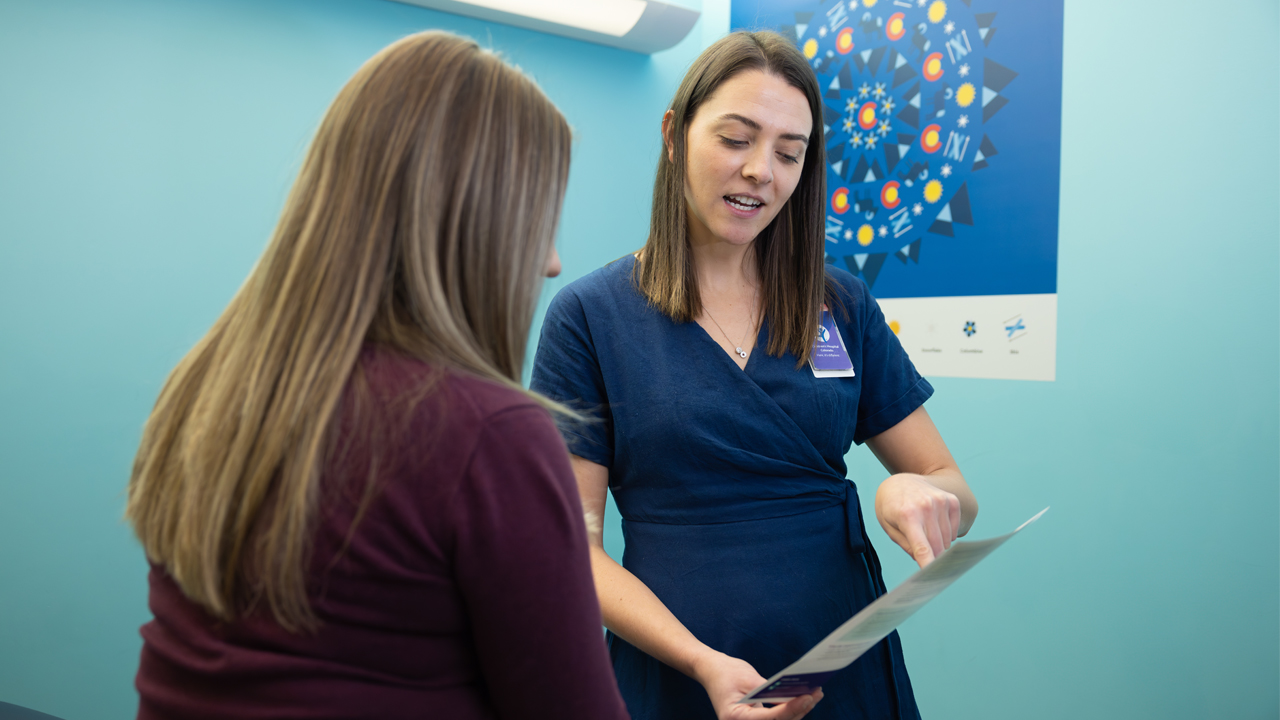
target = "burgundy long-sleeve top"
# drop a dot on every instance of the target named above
(465, 590)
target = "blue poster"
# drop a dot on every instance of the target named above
(943, 134)
(942, 124)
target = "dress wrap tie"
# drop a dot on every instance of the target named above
(853, 519)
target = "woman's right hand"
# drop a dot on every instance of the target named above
(727, 679)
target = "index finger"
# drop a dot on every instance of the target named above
(918, 544)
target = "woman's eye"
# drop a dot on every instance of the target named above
(733, 143)
(793, 159)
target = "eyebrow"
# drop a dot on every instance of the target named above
(756, 126)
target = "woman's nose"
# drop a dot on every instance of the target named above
(759, 166)
(553, 263)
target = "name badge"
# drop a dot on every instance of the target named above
(829, 357)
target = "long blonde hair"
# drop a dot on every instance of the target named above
(421, 220)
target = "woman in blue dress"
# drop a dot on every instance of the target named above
(723, 449)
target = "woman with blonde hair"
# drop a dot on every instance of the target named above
(351, 506)
(732, 370)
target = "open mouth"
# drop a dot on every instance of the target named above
(742, 202)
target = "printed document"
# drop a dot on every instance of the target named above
(847, 642)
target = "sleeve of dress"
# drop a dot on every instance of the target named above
(521, 563)
(891, 387)
(567, 370)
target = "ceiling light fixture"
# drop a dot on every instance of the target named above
(644, 26)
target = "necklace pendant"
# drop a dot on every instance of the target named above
(741, 352)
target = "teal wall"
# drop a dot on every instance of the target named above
(146, 147)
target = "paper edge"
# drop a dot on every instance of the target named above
(783, 672)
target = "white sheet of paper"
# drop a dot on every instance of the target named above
(875, 621)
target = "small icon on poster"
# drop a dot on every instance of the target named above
(970, 328)
(1015, 328)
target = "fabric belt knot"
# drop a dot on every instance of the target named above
(853, 518)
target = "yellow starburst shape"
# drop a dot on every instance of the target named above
(932, 191)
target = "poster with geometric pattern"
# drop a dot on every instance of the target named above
(942, 125)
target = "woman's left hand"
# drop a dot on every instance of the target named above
(922, 518)
(728, 679)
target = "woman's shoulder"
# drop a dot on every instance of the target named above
(609, 281)
(434, 391)
(604, 297)
(426, 423)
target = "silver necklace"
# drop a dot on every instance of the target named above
(741, 353)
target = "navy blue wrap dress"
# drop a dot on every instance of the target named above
(731, 483)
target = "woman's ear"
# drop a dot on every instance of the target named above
(668, 119)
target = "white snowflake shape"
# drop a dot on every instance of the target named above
(949, 28)
(883, 231)
(946, 171)
(884, 128)
(887, 106)
(855, 140)
(851, 105)
(964, 70)
(822, 31)
(917, 209)
(963, 121)
(848, 234)
(862, 91)
(879, 91)
(871, 141)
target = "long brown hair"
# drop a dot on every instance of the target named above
(421, 220)
(790, 253)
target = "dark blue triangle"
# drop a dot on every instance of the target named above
(871, 268)
(961, 212)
